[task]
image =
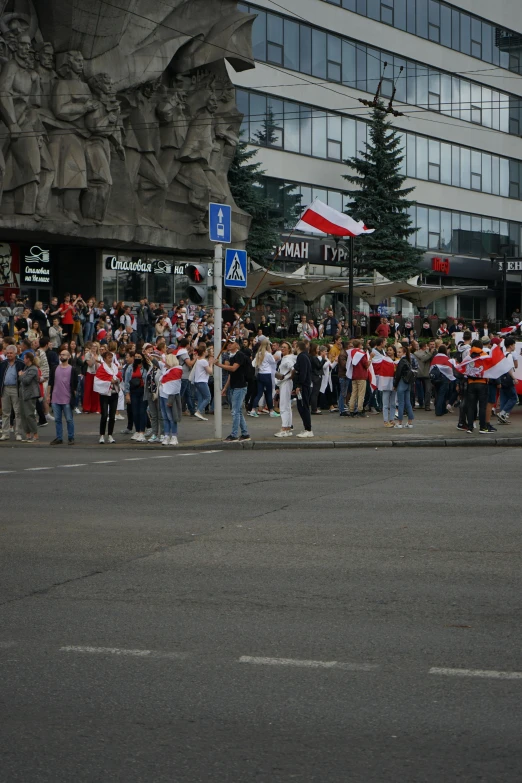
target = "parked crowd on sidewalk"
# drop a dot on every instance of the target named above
(151, 367)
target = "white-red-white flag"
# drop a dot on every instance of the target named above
(105, 376)
(444, 364)
(319, 218)
(384, 368)
(354, 356)
(171, 380)
(492, 365)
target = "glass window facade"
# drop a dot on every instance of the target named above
(307, 130)
(451, 27)
(441, 230)
(342, 60)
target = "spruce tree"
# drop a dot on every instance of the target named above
(247, 185)
(381, 202)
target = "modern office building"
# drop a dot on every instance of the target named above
(460, 94)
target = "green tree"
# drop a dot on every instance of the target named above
(382, 203)
(269, 216)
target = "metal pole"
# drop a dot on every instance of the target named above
(218, 321)
(350, 282)
(504, 290)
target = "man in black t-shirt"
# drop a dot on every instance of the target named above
(236, 365)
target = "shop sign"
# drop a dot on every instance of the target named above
(294, 250)
(36, 269)
(440, 265)
(138, 265)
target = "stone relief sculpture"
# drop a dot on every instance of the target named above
(126, 133)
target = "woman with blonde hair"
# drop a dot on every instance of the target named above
(265, 366)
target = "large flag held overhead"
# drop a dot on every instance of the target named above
(319, 218)
(493, 365)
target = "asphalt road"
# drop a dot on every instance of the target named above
(268, 617)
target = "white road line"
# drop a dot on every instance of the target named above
(104, 462)
(37, 469)
(133, 459)
(484, 674)
(78, 465)
(304, 664)
(7, 471)
(124, 652)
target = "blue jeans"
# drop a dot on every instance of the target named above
(58, 409)
(508, 399)
(204, 396)
(88, 331)
(441, 390)
(403, 396)
(344, 384)
(186, 395)
(388, 404)
(139, 410)
(264, 386)
(238, 419)
(170, 427)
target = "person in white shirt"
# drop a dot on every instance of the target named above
(265, 364)
(202, 370)
(284, 376)
(508, 388)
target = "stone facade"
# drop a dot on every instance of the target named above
(118, 122)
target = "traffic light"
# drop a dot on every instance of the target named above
(196, 291)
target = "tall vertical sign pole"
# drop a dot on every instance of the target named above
(350, 282)
(218, 320)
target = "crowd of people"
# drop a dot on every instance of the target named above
(151, 366)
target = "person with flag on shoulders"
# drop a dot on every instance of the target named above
(357, 370)
(170, 399)
(384, 364)
(508, 384)
(441, 375)
(478, 368)
(107, 384)
(493, 383)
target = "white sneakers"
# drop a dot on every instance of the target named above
(111, 439)
(154, 439)
(199, 416)
(305, 434)
(102, 439)
(119, 417)
(141, 438)
(170, 440)
(283, 434)
(4, 437)
(135, 436)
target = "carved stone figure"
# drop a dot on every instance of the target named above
(104, 123)
(71, 101)
(147, 81)
(142, 143)
(174, 126)
(19, 97)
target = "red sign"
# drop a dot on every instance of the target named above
(441, 265)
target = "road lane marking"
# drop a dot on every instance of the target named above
(7, 471)
(104, 462)
(307, 664)
(485, 674)
(78, 465)
(37, 469)
(123, 652)
(133, 459)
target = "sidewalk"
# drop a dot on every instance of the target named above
(330, 430)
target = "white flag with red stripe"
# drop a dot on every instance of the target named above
(353, 358)
(384, 368)
(105, 378)
(371, 373)
(319, 218)
(171, 381)
(444, 364)
(492, 365)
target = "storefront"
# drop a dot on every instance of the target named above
(129, 277)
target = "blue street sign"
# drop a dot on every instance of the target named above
(220, 223)
(235, 268)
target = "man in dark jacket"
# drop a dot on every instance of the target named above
(303, 388)
(9, 380)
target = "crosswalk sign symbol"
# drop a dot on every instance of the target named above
(235, 268)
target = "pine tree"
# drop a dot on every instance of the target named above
(247, 184)
(382, 203)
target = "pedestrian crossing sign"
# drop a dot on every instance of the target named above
(235, 268)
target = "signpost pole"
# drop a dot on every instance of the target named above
(218, 320)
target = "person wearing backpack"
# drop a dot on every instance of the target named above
(402, 381)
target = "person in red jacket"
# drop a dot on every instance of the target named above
(66, 314)
(358, 367)
(383, 330)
